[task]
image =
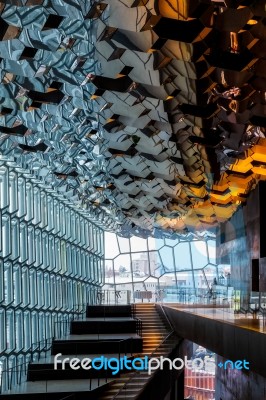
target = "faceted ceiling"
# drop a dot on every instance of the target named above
(148, 114)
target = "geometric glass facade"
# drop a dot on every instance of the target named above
(172, 266)
(51, 263)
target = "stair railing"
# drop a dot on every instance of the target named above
(16, 371)
(121, 349)
(163, 314)
(137, 373)
(16, 374)
(112, 297)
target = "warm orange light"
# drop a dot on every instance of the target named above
(252, 22)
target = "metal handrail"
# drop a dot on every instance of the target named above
(72, 342)
(153, 353)
(98, 379)
(35, 349)
(165, 316)
(163, 341)
(19, 367)
(75, 342)
(102, 341)
(103, 296)
(137, 372)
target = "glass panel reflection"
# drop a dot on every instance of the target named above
(167, 270)
(47, 264)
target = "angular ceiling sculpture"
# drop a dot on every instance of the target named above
(149, 115)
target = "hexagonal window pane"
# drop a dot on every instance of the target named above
(111, 245)
(167, 285)
(155, 262)
(212, 251)
(140, 266)
(122, 268)
(159, 243)
(159, 271)
(138, 244)
(185, 280)
(199, 254)
(123, 244)
(200, 282)
(151, 243)
(109, 272)
(166, 254)
(182, 256)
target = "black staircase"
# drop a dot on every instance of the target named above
(111, 331)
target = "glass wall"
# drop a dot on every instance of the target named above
(51, 257)
(166, 268)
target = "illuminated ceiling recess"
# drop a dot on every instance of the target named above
(149, 115)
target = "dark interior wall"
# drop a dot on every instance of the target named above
(262, 276)
(238, 241)
(262, 261)
(231, 341)
(238, 385)
(234, 343)
(262, 196)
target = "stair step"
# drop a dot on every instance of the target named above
(147, 334)
(154, 330)
(148, 338)
(154, 327)
(150, 321)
